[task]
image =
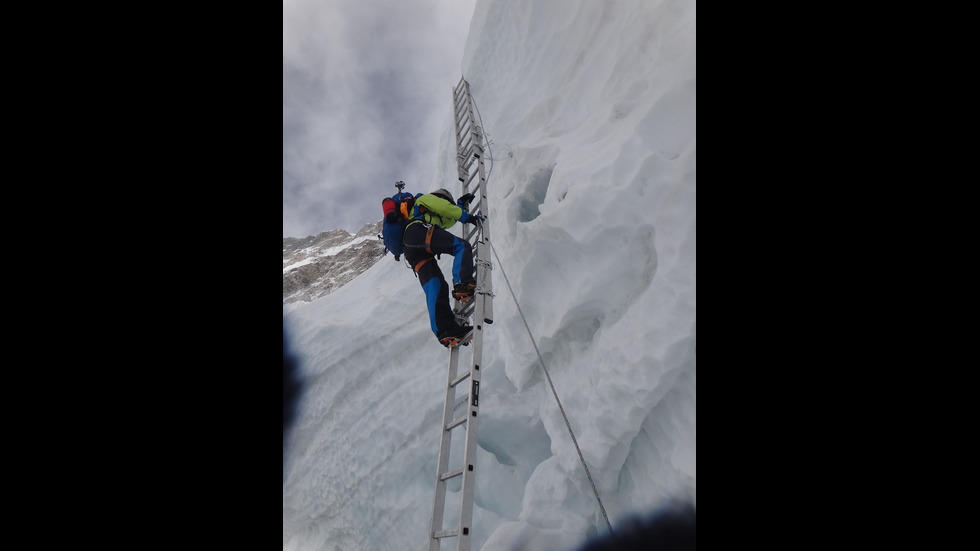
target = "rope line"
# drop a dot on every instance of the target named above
(529, 334)
(553, 391)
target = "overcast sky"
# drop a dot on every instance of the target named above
(366, 90)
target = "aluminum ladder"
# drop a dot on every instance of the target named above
(465, 414)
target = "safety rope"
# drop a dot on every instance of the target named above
(535, 344)
(553, 391)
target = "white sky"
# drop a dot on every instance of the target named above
(366, 90)
(591, 108)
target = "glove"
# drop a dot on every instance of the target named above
(464, 201)
(472, 218)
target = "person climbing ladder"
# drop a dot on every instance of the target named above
(426, 238)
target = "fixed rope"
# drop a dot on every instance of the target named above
(535, 344)
(553, 391)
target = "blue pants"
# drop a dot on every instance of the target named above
(441, 317)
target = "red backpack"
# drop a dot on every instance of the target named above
(398, 210)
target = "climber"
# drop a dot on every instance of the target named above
(426, 237)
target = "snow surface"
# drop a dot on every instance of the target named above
(590, 108)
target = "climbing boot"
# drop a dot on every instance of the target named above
(451, 338)
(463, 291)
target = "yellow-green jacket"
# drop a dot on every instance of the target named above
(432, 209)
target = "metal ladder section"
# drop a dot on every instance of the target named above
(472, 174)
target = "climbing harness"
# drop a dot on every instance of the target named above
(421, 263)
(428, 247)
(428, 238)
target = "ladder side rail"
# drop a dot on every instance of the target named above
(469, 453)
(485, 271)
(484, 285)
(445, 443)
(476, 131)
(460, 133)
(467, 492)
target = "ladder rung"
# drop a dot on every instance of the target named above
(471, 178)
(445, 534)
(466, 309)
(460, 379)
(460, 96)
(456, 423)
(451, 474)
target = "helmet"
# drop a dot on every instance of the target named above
(444, 193)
